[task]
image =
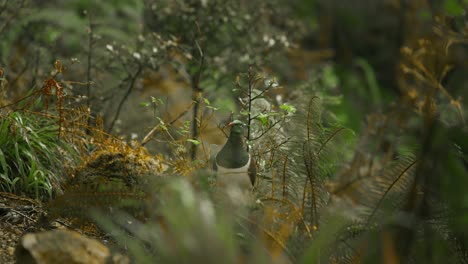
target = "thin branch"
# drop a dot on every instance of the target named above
(266, 130)
(153, 131)
(36, 67)
(196, 91)
(22, 214)
(249, 113)
(90, 60)
(276, 147)
(127, 94)
(263, 91)
(89, 68)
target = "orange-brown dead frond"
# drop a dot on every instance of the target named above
(278, 225)
(58, 66)
(426, 62)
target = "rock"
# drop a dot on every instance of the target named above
(11, 250)
(62, 246)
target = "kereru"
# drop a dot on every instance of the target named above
(234, 165)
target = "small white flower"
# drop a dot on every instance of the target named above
(155, 50)
(271, 42)
(136, 55)
(110, 48)
(270, 82)
(244, 58)
(283, 38)
(133, 136)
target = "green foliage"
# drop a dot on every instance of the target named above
(33, 158)
(184, 225)
(226, 35)
(454, 7)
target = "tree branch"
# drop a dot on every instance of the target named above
(127, 94)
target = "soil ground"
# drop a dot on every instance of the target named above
(21, 215)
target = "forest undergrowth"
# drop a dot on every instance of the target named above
(388, 190)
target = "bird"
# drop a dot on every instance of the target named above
(233, 164)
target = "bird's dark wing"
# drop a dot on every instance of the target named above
(252, 170)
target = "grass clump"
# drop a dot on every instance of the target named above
(31, 155)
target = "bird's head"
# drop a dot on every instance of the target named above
(237, 127)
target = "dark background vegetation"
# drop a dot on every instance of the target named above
(356, 112)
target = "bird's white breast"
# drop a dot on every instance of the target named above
(234, 176)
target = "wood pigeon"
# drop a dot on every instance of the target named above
(234, 165)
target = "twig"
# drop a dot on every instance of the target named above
(19, 198)
(36, 68)
(263, 91)
(89, 67)
(276, 147)
(67, 225)
(196, 90)
(249, 113)
(22, 214)
(151, 134)
(266, 130)
(127, 94)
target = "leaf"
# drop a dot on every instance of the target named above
(244, 112)
(3, 162)
(288, 108)
(144, 104)
(330, 78)
(156, 101)
(194, 141)
(263, 118)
